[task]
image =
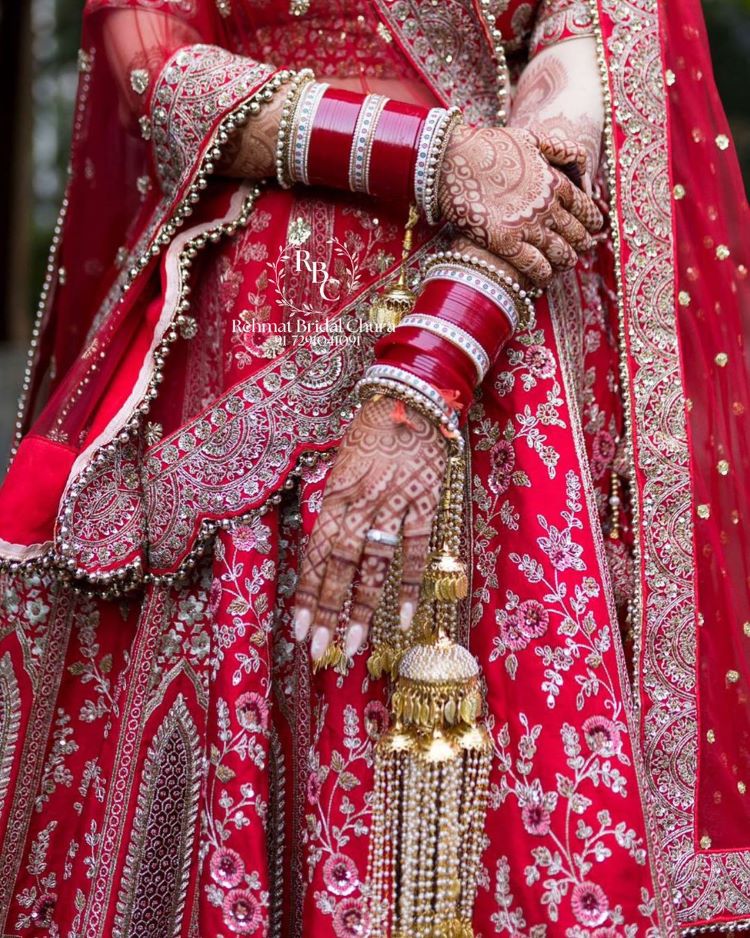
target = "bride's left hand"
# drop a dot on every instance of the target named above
(387, 477)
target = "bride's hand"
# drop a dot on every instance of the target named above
(387, 477)
(497, 188)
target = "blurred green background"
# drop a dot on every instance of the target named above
(38, 47)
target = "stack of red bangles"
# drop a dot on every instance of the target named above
(467, 309)
(362, 143)
(465, 313)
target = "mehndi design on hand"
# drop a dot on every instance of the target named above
(387, 477)
(498, 188)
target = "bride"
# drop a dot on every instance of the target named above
(225, 473)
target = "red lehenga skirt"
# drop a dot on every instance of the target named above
(171, 765)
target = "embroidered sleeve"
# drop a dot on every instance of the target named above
(558, 20)
(173, 87)
(195, 88)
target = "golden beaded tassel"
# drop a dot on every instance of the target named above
(432, 766)
(398, 300)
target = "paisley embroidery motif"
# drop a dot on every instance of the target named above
(157, 867)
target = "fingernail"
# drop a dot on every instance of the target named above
(319, 643)
(354, 638)
(302, 620)
(407, 614)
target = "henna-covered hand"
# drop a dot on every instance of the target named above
(559, 97)
(387, 477)
(498, 188)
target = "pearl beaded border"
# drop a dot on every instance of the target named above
(85, 66)
(490, 17)
(522, 298)
(284, 137)
(130, 576)
(435, 151)
(454, 334)
(424, 144)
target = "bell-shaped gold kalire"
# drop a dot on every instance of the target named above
(432, 766)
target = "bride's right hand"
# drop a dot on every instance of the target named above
(498, 189)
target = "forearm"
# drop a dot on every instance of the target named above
(560, 94)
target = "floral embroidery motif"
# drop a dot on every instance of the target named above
(41, 898)
(577, 840)
(333, 818)
(242, 615)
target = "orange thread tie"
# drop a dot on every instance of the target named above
(451, 397)
(400, 415)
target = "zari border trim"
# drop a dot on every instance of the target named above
(564, 284)
(625, 382)
(150, 627)
(177, 721)
(704, 885)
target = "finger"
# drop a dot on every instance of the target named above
(416, 545)
(339, 572)
(555, 248)
(567, 155)
(367, 596)
(333, 592)
(560, 151)
(578, 204)
(530, 261)
(571, 229)
(314, 562)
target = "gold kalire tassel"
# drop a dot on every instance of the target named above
(398, 300)
(432, 766)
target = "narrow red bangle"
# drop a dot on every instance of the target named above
(360, 142)
(450, 339)
(331, 137)
(394, 151)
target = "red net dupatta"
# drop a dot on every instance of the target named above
(681, 220)
(155, 100)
